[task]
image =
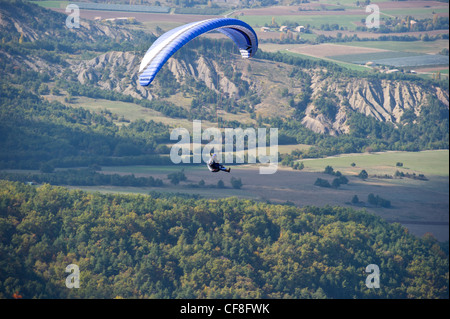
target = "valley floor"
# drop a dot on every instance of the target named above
(420, 205)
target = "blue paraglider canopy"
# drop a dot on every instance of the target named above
(170, 42)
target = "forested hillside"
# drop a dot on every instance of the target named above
(44, 58)
(35, 131)
(137, 246)
(317, 102)
(167, 246)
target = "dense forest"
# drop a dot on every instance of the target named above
(139, 246)
(179, 246)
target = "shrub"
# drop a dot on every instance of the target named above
(322, 183)
(363, 174)
(236, 183)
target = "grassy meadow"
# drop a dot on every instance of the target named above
(434, 162)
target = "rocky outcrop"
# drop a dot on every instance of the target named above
(119, 71)
(205, 70)
(386, 100)
(116, 71)
(271, 88)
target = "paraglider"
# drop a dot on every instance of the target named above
(170, 42)
(214, 165)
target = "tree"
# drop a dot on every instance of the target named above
(322, 183)
(43, 89)
(220, 184)
(378, 201)
(177, 247)
(236, 183)
(46, 168)
(355, 199)
(126, 149)
(55, 91)
(363, 174)
(274, 24)
(335, 183)
(177, 177)
(342, 179)
(329, 170)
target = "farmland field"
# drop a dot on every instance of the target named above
(413, 61)
(403, 54)
(420, 205)
(129, 111)
(315, 15)
(343, 20)
(419, 13)
(52, 4)
(375, 56)
(296, 49)
(393, 58)
(331, 49)
(431, 47)
(425, 162)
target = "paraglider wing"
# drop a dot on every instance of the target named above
(170, 42)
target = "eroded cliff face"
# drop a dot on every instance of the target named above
(386, 100)
(272, 88)
(116, 71)
(206, 70)
(119, 71)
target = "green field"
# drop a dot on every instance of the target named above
(414, 201)
(52, 4)
(425, 162)
(344, 64)
(432, 47)
(284, 48)
(315, 21)
(129, 111)
(203, 192)
(363, 57)
(418, 13)
(145, 169)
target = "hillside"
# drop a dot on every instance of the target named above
(321, 96)
(33, 23)
(73, 114)
(334, 109)
(143, 247)
(385, 100)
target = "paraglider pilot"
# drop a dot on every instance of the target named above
(214, 165)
